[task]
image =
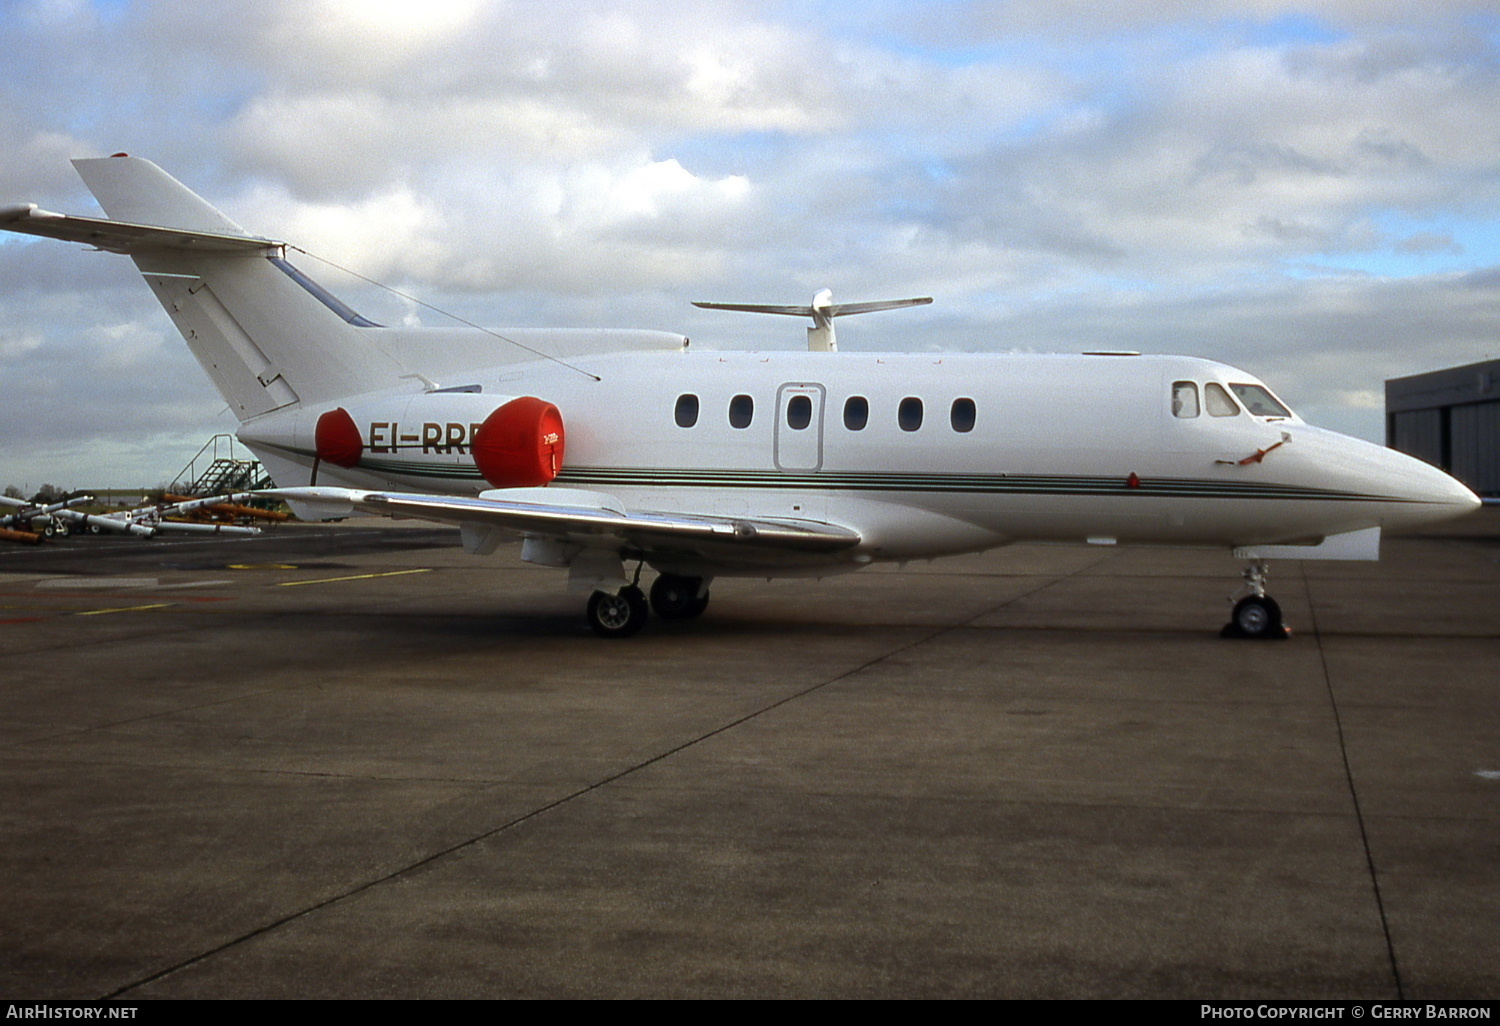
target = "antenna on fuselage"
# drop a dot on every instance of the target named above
(820, 337)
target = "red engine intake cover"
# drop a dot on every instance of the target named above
(521, 444)
(337, 439)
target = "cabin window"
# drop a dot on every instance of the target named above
(741, 411)
(856, 412)
(799, 412)
(686, 413)
(1217, 401)
(962, 415)
(1260, 402)
(909, 413)
(1184, 399)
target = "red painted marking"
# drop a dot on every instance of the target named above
(520, 444)
(337, 439)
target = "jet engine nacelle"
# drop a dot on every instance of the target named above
(513, 441)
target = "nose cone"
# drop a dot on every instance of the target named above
(1399, 492)
(1427, 495)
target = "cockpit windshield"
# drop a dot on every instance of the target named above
(1259, 402)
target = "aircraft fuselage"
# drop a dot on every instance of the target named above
(922, 455)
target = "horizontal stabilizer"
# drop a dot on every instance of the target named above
(822, 310)
(831, 310)
(591, 518)
(124, 237)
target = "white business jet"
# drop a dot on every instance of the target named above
(604, 450)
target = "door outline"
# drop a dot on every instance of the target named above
(799, 449)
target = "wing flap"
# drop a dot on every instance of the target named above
(589, 517)
(125, 237)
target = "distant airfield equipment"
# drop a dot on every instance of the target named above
(229, 511)
(219, 467)
(148, 521)
(30, 523)
(20, 537)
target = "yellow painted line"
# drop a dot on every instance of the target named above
(356, 577)
(124, 609)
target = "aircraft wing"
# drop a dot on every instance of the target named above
(592, 518)
(122, 236)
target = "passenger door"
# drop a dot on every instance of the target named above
(799, 426)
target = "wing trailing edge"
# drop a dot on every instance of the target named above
(592, 518)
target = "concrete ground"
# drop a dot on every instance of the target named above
(353, 762)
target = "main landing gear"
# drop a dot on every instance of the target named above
(1257, 615)
(624, 613)
(619, 615)
(678, 598)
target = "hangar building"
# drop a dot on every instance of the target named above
(1451, 419)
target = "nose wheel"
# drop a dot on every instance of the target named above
(1256, 615)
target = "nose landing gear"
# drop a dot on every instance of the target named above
(1256, 615)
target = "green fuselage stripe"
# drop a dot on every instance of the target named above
(909, 483)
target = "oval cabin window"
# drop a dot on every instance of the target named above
(799, 412)
(741, 411)
(686, 413)
(856, 412)
(909, 414)
(962, 415)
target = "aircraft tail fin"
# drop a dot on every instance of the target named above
(135, 190)
(266, 334)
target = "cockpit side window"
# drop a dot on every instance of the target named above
(1217, 401)
(1260, 402)
(1184, 399)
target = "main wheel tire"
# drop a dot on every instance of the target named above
(1257, 616)
(618, 616)
(677, 598)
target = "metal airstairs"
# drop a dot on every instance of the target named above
(220, 467)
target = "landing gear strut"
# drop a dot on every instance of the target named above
(1257, 615)
(678, 598)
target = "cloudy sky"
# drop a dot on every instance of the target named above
(1307, 190)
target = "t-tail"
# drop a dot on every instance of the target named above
(266, 334)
